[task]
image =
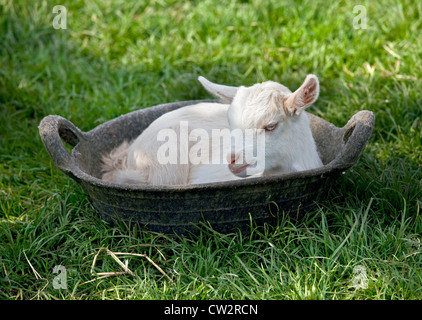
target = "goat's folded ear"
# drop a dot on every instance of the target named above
(226, 93)
(303, 97)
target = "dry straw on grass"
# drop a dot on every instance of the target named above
(37, 276)
(124, 265)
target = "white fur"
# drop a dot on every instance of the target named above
(289, 147)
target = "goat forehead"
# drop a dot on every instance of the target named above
(258, 105)
(270, 85)
(266, 93)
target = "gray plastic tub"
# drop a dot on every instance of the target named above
(226, 206)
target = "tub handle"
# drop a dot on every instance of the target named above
(52, 130)
(356, 134)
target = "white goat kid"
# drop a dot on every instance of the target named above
(270, 109)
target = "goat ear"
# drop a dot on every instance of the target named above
(303, 97)
(226, 93)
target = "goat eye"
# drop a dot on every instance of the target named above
(271, 127)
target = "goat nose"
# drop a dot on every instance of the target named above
(231, 158)
(235, 167)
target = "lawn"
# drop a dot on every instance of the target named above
(113, 57)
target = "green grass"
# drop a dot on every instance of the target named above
(119, 56)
